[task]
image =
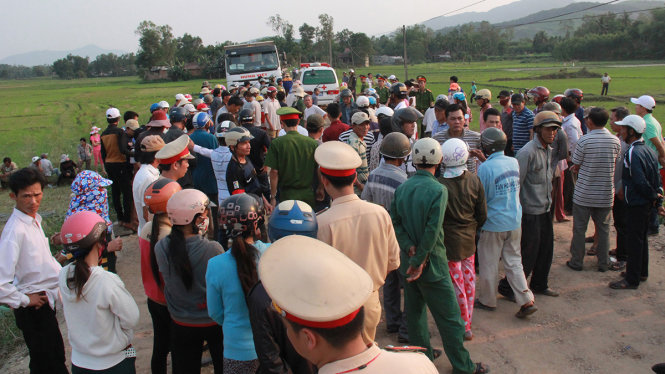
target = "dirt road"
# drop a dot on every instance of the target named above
(588, 329)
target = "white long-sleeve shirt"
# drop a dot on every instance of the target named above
(573, 129)
(101, 323)
(26, 263)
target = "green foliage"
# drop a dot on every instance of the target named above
(112, 65)
(157, 47)
(71, 67)
(22, 72)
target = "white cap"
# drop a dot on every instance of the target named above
(164, 104)
(392, 77)
(312, 283)
(362, 101)
(113, 113)
(359, 118)
(190, 108)
(35, 158)
(634, 121)
(337, 158)
(179, 97)
(645, 100)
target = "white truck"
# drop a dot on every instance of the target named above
(250, 62)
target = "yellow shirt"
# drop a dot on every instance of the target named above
(363, 232)
(377, 360)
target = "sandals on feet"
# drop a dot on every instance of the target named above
(481, 369)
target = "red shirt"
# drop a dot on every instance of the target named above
(334, 130)
(152, 290)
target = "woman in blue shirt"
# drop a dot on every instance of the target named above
(231, 276)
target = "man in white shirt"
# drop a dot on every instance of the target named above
(270, 106)
(253, 104)
(573, 129)
(147, 174)
(310, 108)
(605, 80)
(29, 275)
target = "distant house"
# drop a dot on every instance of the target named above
(345, 57)
(157, 73)
(444, 57)
(194, 69)
(387, 60)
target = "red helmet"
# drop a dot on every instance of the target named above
(184, 205)
(81, 230)
(538, 94)
(557, 98)
(158, 194)
(574, 93)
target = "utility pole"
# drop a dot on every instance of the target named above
(330, 49)
(406, 71)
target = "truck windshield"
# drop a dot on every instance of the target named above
(251, 62)
(322, 76)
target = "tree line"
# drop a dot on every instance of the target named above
(610, 37)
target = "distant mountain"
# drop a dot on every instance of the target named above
(48, 57)
(502, 13)
(560, 28)
(525, 11)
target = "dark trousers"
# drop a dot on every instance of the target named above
(653, 221)
(619, 214)
(606, 87)
(42, 336)
(637, 243)
(392, 303)
(126, 366)
(121, 175)
(537, 251)
(187, 347)
(161, 346)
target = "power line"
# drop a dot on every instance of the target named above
(441, 15)
(559, 15)
(596, 16)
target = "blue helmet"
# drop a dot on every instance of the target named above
(459, 96)
(200, 120)
(372, 100)
(154, 107)
(292, 217)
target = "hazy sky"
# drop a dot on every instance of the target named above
(69, 24)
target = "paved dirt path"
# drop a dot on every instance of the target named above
(588, 329)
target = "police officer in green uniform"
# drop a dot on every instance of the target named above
(382, 90)
(424, 99)
(291, 161)
(417, 211)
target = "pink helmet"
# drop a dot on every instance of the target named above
(81, 230)
(184, 205)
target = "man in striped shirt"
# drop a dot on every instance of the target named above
(593, 159)
(456, 129)
(359, 129)
(522, 122)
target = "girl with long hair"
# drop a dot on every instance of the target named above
(156, 196)
(100, 313)
(182, 259)
(230, 278)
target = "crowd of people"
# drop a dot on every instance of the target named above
(267, 226)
